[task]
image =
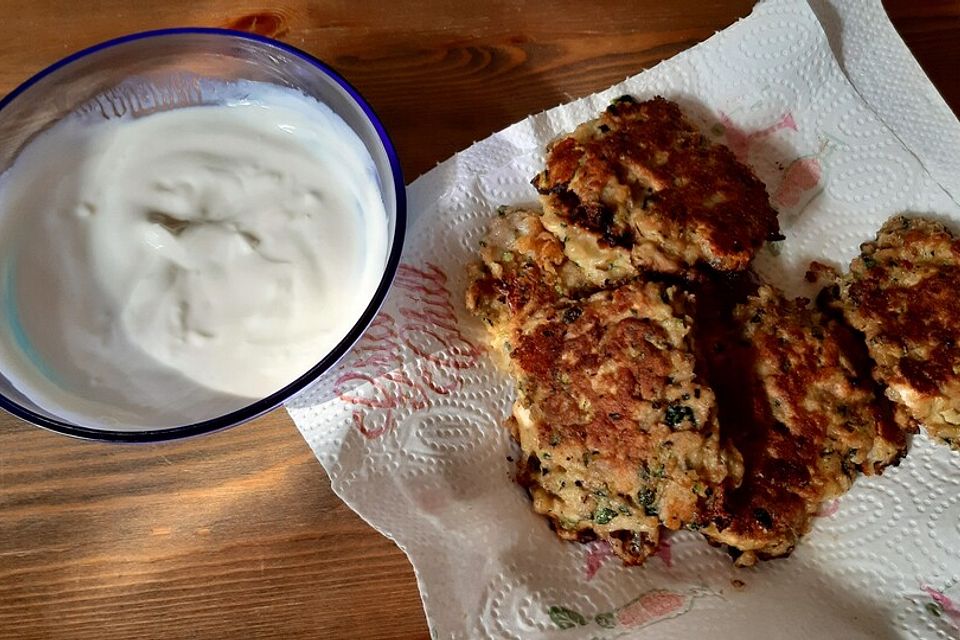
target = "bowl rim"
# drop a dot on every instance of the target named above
(259, 407)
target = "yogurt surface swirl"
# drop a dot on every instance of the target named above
(169, 268)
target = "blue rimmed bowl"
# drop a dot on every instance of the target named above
(160, 70)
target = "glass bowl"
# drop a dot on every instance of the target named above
(160, 70)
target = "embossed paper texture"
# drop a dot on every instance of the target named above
(409, 427)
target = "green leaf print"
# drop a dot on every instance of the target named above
(565, 618)
(606, 620)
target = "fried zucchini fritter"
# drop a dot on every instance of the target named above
(797, 400)
(618, 435)
(640, 189)
(903, 294)
(522, 268)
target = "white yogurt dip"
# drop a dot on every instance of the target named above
(159, 270)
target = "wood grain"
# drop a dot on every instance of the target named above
(931, 31)
(237, 535)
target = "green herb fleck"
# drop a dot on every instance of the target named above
(678, 413)
(508, 256)
(869, 262)
(570, 315)
(646, 497)
(604, 515)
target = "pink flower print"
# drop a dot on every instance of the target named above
(947, 607)
(827, 509)
(663, 552)
(650, 607)
(741, 142)
(430, 499)
(653, 606)
(802, 175)
(425, 322)
(598, 552)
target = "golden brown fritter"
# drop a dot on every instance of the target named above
(617, 416)
(618, 435)
(522, 268)
(640, 189)
(903, 294)
(797, 400)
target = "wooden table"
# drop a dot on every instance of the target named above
(237, 535)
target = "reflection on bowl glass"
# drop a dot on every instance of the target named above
(196, 224)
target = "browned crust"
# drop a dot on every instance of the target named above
(617, 418)
(642, 178)
(522, 268)
(797, 400)
(903, 294)
(608, 384)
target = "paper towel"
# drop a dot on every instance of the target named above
(893, 85)
(409, 425)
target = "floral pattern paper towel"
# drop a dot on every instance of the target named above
(408, 426)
